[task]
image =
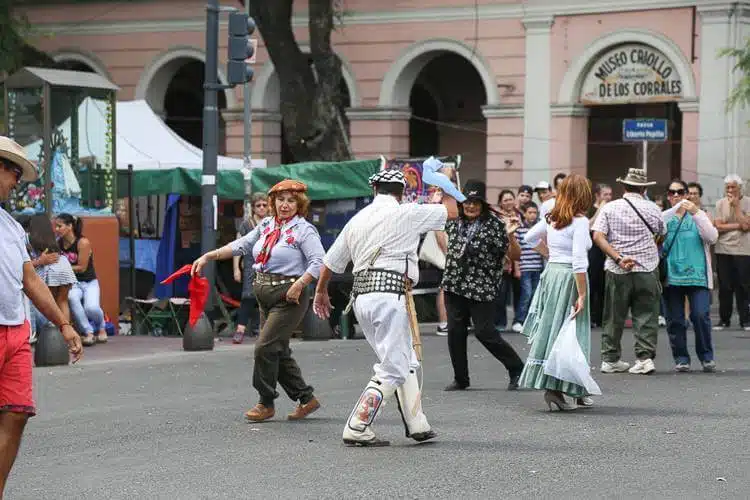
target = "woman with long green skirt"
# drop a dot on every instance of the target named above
(563, 288)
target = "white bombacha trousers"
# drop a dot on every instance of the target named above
(385, 323)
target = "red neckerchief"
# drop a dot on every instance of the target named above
(271, 240)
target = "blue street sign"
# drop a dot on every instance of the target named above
(644, 129)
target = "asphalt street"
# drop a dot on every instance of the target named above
(139, 418)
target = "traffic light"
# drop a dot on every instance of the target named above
(241, 48)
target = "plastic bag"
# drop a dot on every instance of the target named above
(567, 362)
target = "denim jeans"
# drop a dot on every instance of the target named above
(700, 316)
(529, 282)
(85, 306)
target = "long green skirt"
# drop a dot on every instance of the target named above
(550, 307)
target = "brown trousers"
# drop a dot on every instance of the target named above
(273, 356)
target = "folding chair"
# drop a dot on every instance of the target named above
(158, 317)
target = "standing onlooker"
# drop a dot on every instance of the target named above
(695, 195)
(243, 269)
(287, 255)
(733, 253)
(510, 287)
(544, 192)
(17, 276)
(625, 231)
(531, 264)
(687, 246)
(477, 244)
(85, 296)
(602, 196)
(557, 180)
(525, 195)
(563, 287)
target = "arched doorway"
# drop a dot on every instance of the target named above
(446, 113)
(173, 86)
(631, 75)
(445, 84)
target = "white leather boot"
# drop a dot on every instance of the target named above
(358, 429)
(410, 406)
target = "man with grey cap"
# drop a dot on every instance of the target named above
(625, 231)
(733, 253)
(381, 242)
(17, 276)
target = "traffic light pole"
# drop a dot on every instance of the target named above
(248, 118)
(209, 199)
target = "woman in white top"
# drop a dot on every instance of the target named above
(563, 286)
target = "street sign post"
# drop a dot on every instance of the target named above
(644, 130)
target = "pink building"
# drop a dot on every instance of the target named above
(522, 89)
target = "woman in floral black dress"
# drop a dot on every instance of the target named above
(478, 241)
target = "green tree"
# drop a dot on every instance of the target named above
(311, 100)
(15, 52)
(740, 94)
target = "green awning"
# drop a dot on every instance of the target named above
(187, 181)
(325, 180)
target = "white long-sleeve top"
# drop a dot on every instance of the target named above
(569, 245)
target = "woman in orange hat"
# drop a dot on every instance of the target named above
(287, 255)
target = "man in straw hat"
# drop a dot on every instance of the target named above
(17, 276)
(625, 231)
(381, 241)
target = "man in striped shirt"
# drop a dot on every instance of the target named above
(532, 264)
(381, 242)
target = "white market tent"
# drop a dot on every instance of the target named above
(162, 161)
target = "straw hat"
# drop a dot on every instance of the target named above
(636, 177)
(11, 151)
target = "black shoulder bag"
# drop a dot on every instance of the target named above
(665, 249)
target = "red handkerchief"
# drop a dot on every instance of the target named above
(197, 291)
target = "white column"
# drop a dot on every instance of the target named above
(537, 101)
(722, 134)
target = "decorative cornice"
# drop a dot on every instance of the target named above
(389, 114)
(263, 115)
(689, 105)
(720, 12)
(532, 13)
(503, 111)
(569, 110)
(538, 24)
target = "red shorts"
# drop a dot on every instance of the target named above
(15, 370)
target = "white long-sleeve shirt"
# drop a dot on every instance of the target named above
(569, 245)
(393, 228)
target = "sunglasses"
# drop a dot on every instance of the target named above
(673, 192)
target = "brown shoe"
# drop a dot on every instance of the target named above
(259, 413)
(301, 411)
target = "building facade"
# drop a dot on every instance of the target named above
(522, 89)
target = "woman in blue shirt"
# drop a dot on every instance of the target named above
(687, 246)
(287, 255)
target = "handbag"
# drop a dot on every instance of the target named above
(567, 362)
(430, 251)
(665, 250)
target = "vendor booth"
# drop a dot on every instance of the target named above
(75, 156)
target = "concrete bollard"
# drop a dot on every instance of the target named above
(200, 337)
(50, 349)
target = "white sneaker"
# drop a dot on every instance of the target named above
(643, 367)
(618, 366)
(517, 327)
(662, 321)
(442, 330)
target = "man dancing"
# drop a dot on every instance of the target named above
(381, 241)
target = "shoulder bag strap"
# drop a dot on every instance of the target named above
(639, 215)
(667, 249)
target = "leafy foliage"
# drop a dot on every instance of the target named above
(740, 94)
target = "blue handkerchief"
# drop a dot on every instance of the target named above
(431, 176)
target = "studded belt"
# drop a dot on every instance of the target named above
(273, 279)
(378, 280)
